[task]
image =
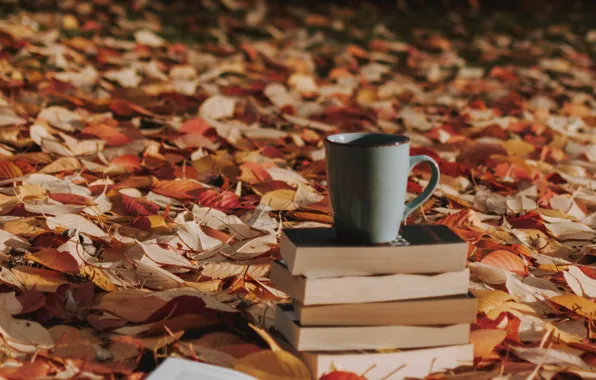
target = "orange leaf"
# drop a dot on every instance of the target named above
(110, 135)
(506, 260)
(139, 206)
(485, 340)
(71, 199)
(129, 161)
(253, 173)
(179, 189)
(9, 170)
(197, 125)
(54, 259)
(342, 375)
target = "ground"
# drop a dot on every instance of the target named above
(152, 151)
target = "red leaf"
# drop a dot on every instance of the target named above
(129, 161)
(342, 375)
(32, 300)
(127, 109)
(110, 135)
(9, 170)
(183, 189)
(224, 201)
(139, 206)
(506, 260)
(71, 199)
(197, 125)
(56, 260)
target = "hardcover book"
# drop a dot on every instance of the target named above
(315, 252)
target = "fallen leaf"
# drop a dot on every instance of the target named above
(26, 334)
(576, 304)
(217, 107)
(267, 365)
(581, 284)
(545, 356)
(139, 206)
(39, 279)
(75, 222)
(506, 260)
(485, 340)
(56, 260)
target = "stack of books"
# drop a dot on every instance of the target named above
(391, 311)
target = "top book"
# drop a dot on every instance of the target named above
(315, 252)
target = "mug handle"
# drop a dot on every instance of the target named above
(428, 191)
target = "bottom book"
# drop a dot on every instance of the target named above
(390, 365)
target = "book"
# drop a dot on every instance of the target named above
(358, 289)
(182, 369)
(390, 365)
(315, 252)
(325, 338)
(430, 311)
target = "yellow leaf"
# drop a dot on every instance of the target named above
(366, 96)
(39, 279)
(576, 304)
(273, 365)
(96, 276)
(512, 307)
(31, 192)
(266, 337)
(25, 227)
(8, 200)
(490, 299)
(518, 148)
(485, 340)
(62, 164)
(282, 200)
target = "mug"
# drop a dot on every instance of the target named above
(367, 175)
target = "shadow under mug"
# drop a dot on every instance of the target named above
(367, 176)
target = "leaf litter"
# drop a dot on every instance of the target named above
(147, 165)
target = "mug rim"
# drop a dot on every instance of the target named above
(399, 139)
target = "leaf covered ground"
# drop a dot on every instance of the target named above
(151, 152)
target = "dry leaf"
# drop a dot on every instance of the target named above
(485, 340)
(270, 365)
(545, 356)
(75, 222)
